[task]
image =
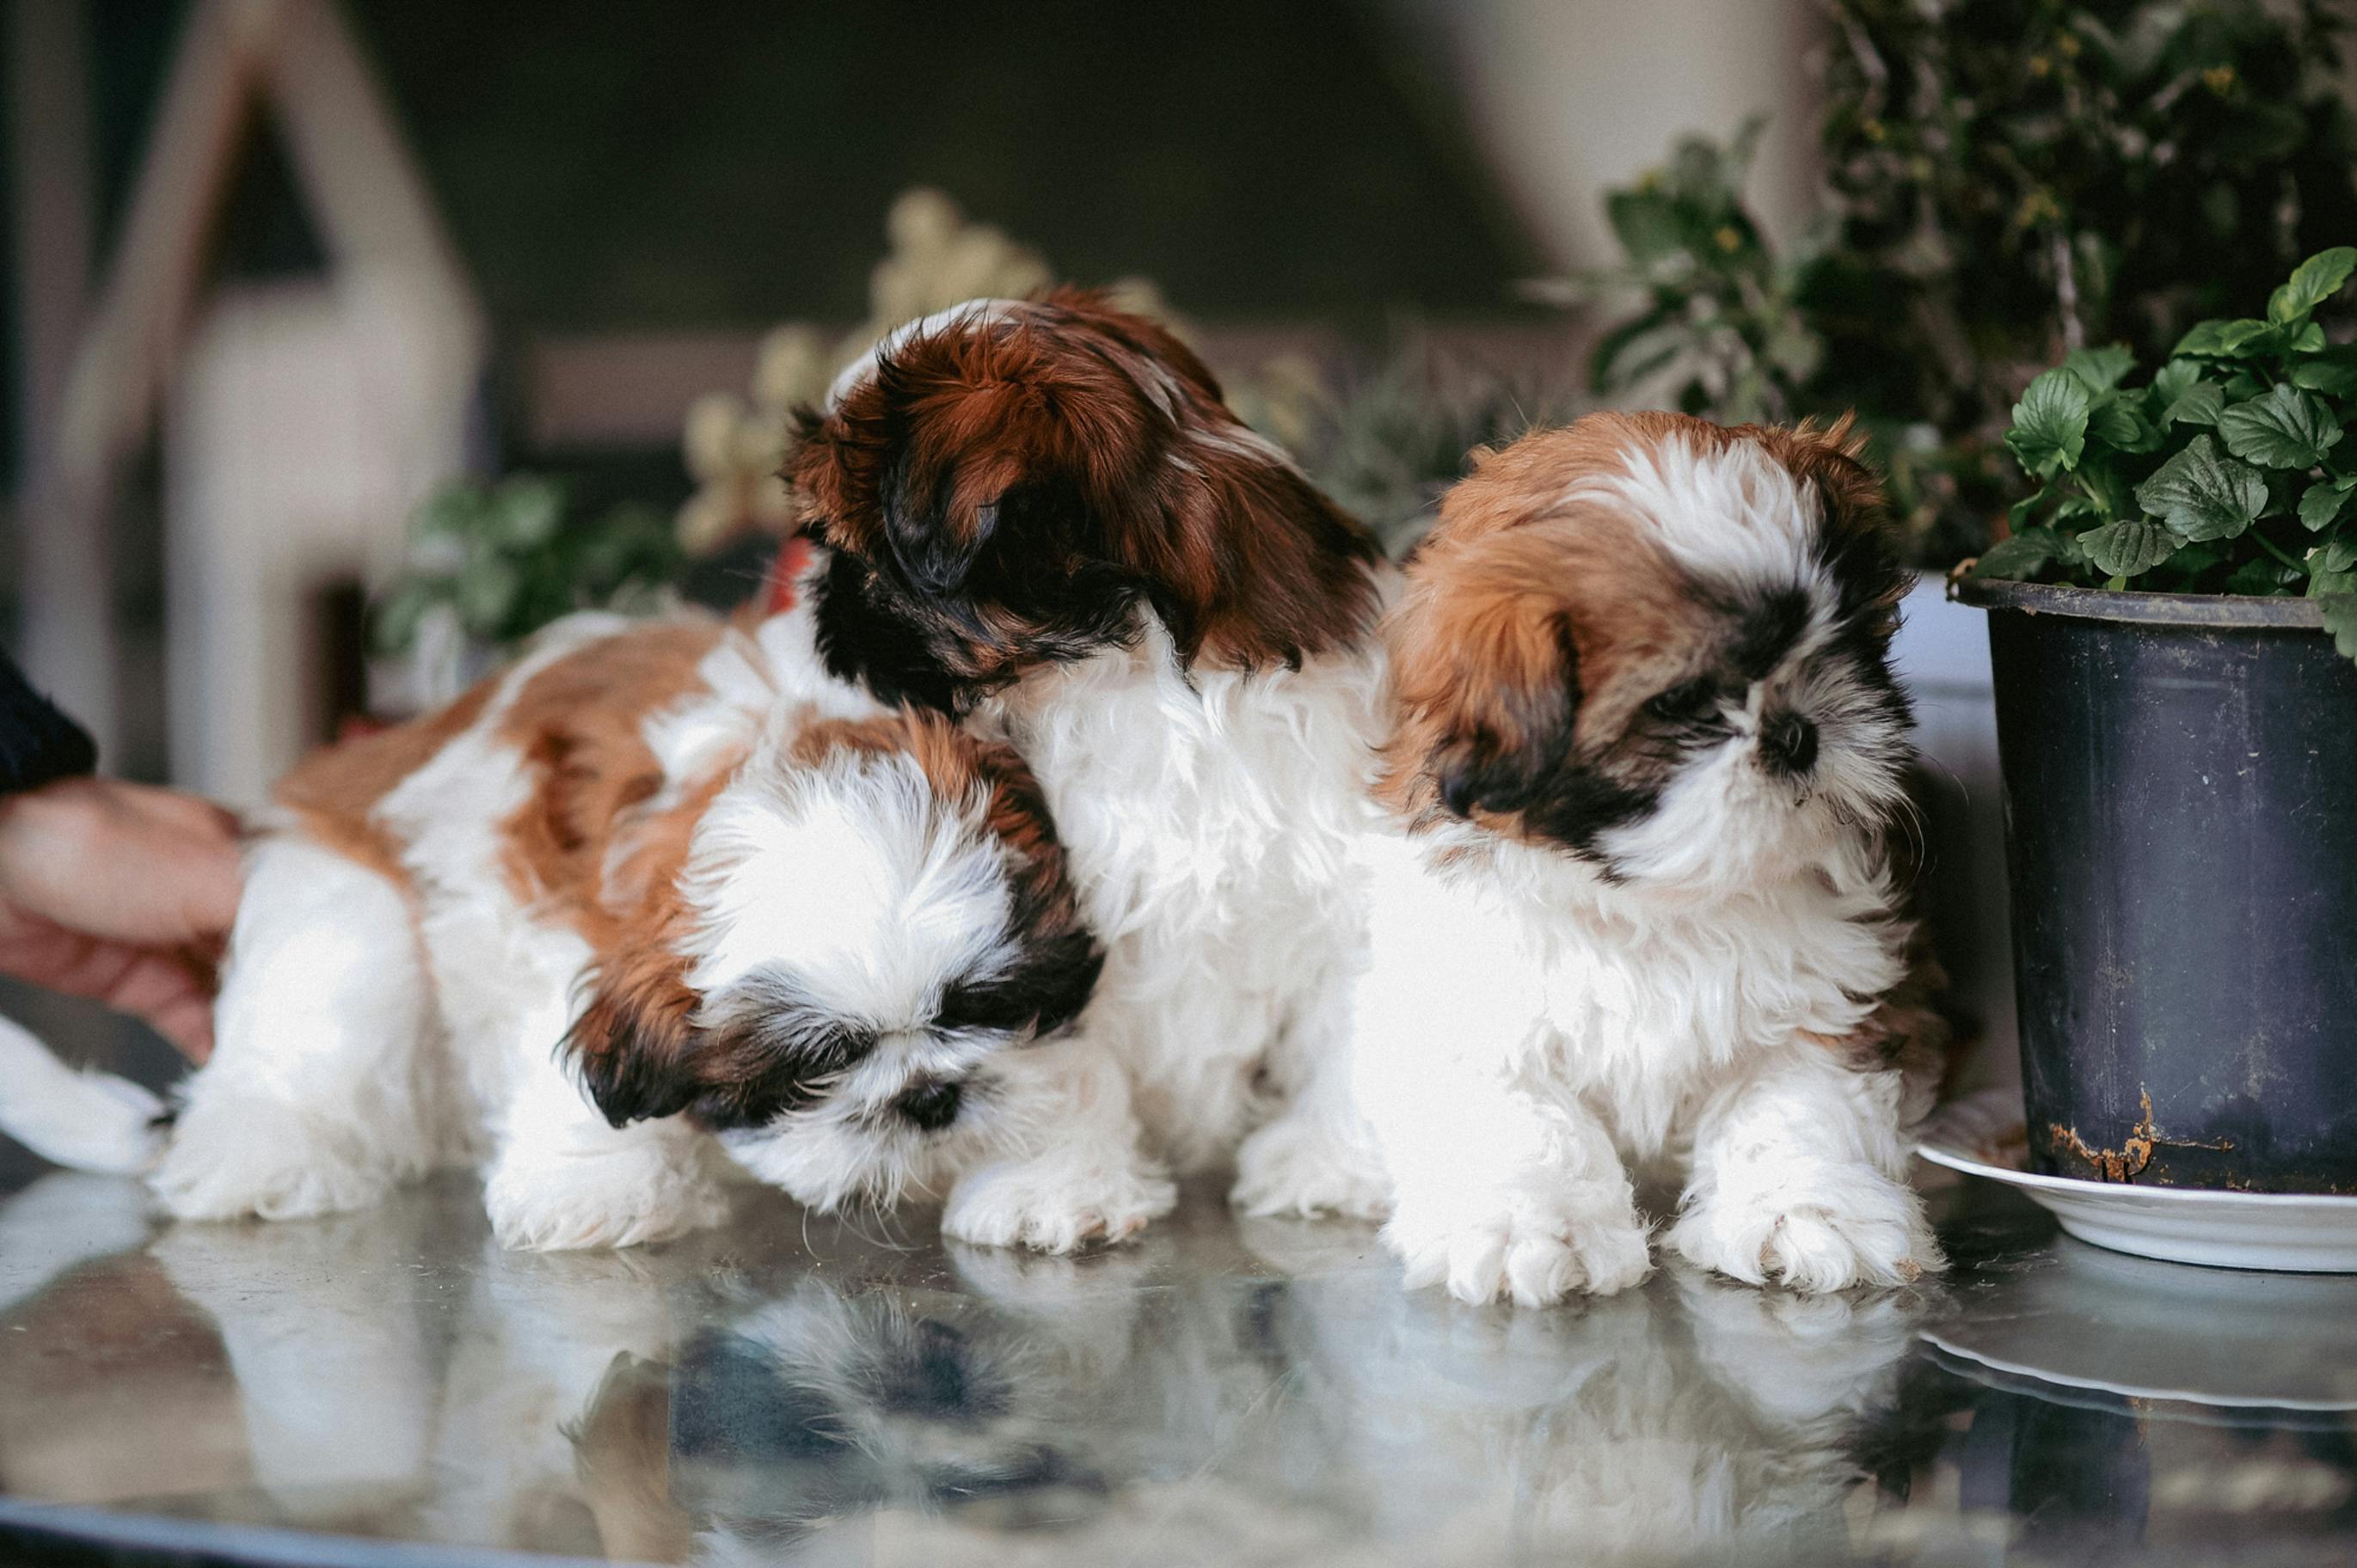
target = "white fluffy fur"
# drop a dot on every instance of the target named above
(91, 1120)
(1208, 818)
(1527, 1027)
(368, 1032)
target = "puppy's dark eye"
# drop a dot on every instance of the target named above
(1685, 702)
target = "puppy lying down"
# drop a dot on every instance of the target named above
(655, 887)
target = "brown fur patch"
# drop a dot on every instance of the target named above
(1543, 638)
(333, 792)
(642, 1047)
(1019, 484)
(578, 722)
(1532, 623)
(621, 1452)
(582, 848)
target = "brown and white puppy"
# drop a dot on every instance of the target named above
(1039, 515)
(1635, 904)
(653, 884)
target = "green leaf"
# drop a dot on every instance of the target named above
(485, 596)
(2106, 492)
(2195, 559)
(2128, 547)
(2341, 620)
(397, 618)
(2199, 404)
(2018, 515)
(2315, 280)
(2223, 339)
(2049, 425)
(2340, 555)
(2261, 578)
(525, 512)
(2334, 371)
(2202, 495)
(2100, 369)
(2172, 379)
(2121, 426)
(2020, 556)
(2284, 429)
(2323, 505)
(1647, 224)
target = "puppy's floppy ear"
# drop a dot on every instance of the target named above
(632, 1041)
(1486, 674)
(934, 548)
(1511, 726)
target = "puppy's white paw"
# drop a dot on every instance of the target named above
(1864, 1230)
(1293, 1168)
(1047, 1205)
(618, 1198)
(1531, 1249)
(230, 1157)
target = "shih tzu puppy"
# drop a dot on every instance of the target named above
(1040, 516)
(655, 885)
(1635, 906)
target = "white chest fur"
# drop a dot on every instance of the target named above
(1630, 1000)
(1209, 817)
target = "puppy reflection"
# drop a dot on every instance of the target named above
(824, 1408)
(1220, 1414)
(1690, 1419)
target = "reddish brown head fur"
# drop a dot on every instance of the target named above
(1559, 652)
(1012, 484)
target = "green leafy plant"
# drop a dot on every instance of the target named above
(1387, 442)
(2229, 471)
(2006, 181)
(500, 561)
(1717, 328)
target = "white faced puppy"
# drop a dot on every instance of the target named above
(653, 884)
(1637, 905)
(1042, 518)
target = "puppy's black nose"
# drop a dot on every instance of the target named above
(932, 1105)
(1789, 743)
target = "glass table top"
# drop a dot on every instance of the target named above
(390, 1387)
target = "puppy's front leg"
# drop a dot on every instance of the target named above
(562, 1177)
(1498, 1193)
(1077, 1173)
(1798, 1176)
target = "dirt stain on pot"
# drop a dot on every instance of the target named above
(2128, 1161)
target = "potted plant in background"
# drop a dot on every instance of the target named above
(2173, 625)
(489, 564)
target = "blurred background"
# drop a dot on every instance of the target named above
(349, 340)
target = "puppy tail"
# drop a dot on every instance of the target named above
(86, 1120)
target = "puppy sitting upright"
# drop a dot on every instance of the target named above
(1636, 906)
(1042, 517)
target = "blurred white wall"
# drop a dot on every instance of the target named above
(1573, 97)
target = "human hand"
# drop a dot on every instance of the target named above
(122, 894)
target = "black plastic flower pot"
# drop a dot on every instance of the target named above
(2181, 806)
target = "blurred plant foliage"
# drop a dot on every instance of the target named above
(1720, 330)
(2007, 181)
(489, 563)
(1386, 443)
(2229, 471)
(935, 257)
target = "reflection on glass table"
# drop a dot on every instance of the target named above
(791, 1390)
